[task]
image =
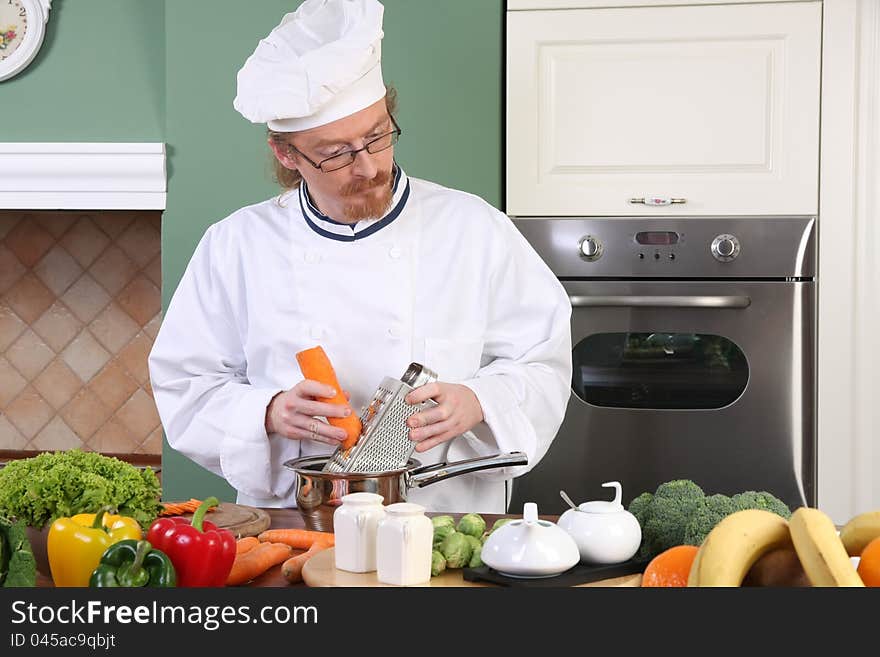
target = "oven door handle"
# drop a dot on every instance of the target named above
(636, 301)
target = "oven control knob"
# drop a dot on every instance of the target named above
(590, 247)
(725, 248)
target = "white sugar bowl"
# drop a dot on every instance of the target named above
(530, 547)
(605, 532)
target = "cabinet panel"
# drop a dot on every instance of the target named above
(718, 105)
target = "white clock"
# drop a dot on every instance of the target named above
(22, 28)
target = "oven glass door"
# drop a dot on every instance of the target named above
(706, 380)
(658, 370)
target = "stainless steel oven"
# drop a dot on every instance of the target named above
(693, 356)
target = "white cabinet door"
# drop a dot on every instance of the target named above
(715, 105)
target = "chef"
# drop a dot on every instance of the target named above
(379, 268)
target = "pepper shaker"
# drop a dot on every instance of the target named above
(404, 545)
(355, 523)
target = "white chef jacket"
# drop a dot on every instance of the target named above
(444, 280)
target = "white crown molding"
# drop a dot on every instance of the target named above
(82, 176)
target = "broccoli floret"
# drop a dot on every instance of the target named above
(639, 507)
(713, 510)
(663, 516)
(675, 503)
(761, 500)
(680, 489)
(649, 548)
(679, 513)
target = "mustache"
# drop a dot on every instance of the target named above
(381, 178)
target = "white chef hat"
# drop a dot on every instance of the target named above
(320, 64)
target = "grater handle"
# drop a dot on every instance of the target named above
(431, 474)
(417, 375)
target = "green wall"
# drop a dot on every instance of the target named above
(166, 72)
(99, 76)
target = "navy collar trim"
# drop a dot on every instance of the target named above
(313, 216)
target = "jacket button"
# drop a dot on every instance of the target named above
(311, 257)
(395, 252)
(394, 332)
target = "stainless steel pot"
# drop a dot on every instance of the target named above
(319, 494)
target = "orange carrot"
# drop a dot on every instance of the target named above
(292, 568)
(246, 544)
(315, 365)
(253, 563)
(178, 508)
(301, 539)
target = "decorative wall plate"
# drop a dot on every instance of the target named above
(22, 28)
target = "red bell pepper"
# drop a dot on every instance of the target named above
(202, 553)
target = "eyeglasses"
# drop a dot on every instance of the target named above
(346, 158)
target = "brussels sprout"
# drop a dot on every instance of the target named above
(501, 521)
(438, 563)
(443, 521)
(476, 549)
(471, 524)
(456, 549)
(475, 542)
(442, 532)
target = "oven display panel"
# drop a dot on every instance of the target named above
(657, 237)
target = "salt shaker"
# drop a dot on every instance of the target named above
(404, 545)
(355, 523)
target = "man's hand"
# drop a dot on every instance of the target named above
(292, 413)
(458, 411)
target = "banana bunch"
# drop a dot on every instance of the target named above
(735, 544)
(860, 531)
(740, 539)
(820, 549)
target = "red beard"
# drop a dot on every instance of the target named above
(369, 206)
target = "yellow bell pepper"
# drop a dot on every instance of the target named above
(75, 545)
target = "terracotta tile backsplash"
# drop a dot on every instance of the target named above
(29, 298)
(29, 354)
(80, 306)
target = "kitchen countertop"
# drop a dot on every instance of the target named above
(291, 518)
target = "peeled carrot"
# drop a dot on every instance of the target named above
(315, 365)
(246, 544)
(301, 539)
(253, 563)
(292, 568)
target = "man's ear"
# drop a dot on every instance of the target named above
(283, 155)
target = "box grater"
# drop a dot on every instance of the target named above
(384, 442)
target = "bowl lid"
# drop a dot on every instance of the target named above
(362, 498)
(530, 547)
(601, 506)
(405, 509)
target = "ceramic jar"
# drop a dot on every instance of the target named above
(530, 547)
(404, 545)
(355, 524)
(605, 532)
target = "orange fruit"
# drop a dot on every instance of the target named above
(869, 563)
(671, 567)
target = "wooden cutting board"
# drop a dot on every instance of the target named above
(239, 519)
(320, 570)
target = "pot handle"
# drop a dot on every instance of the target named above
(431, 474)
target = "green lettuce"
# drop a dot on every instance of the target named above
(17, 564)
(39, 489)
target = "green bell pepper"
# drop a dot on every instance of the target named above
(133, 563)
